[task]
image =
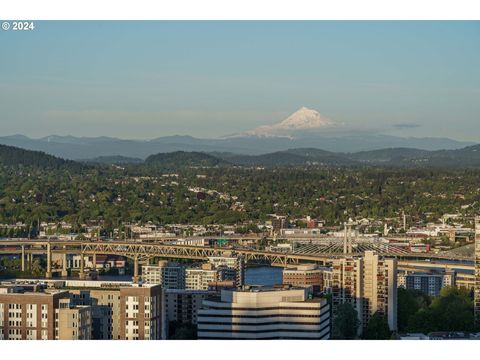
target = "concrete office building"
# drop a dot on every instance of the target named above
(169, 275)
(141, 313)
(264, 313)
(200, 278)
(234, 268)
(368, 283)
(305, 275)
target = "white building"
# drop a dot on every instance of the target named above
(264, 313)
(169, 275)
(199, 278)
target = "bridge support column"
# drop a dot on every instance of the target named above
(135, 269)
(30, 261)
(94, 261)
(23, 258)
(48, 274)
(81, 274)
(64, 265)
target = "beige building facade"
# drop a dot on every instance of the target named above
(368, 283)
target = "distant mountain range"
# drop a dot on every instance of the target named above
(79, 148)
(305, 128)
(468, 157)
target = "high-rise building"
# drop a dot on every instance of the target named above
(477, 272)
(264, 313)
(141, 313)
(234, 268)
(169, 275)
(304, 275)
(369, 284)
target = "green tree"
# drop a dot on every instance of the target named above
(409, 303)
(451, 311)
(377, 328)
(345, 322)
(181, 331)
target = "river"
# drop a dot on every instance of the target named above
(263, 275)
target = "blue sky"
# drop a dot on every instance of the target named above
(208, 79)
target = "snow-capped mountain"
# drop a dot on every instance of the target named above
(302, 119)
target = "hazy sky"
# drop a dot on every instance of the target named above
(207, 79)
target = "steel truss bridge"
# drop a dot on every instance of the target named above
(141, 252)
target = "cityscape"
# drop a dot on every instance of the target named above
(214, 182)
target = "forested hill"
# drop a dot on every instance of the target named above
(178, 159)
(11, 156)
(113, 160)
(468, 157)
(291, 157)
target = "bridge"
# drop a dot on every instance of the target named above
(141, 252)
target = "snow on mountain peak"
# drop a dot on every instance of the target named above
(302, 119)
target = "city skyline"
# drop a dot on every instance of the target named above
(141, 80)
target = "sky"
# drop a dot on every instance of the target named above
(146, 79)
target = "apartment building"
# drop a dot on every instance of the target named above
(182, 305)
(105, 303)
(278, 223)
(368, 283)
(108, 302)
(430, 283)
(141, 313)
(264, 313)
(28, 315)
(233, 266)
(73, 322)
(169, 275)
(199, 278)
(327, 280)
(304, 275)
